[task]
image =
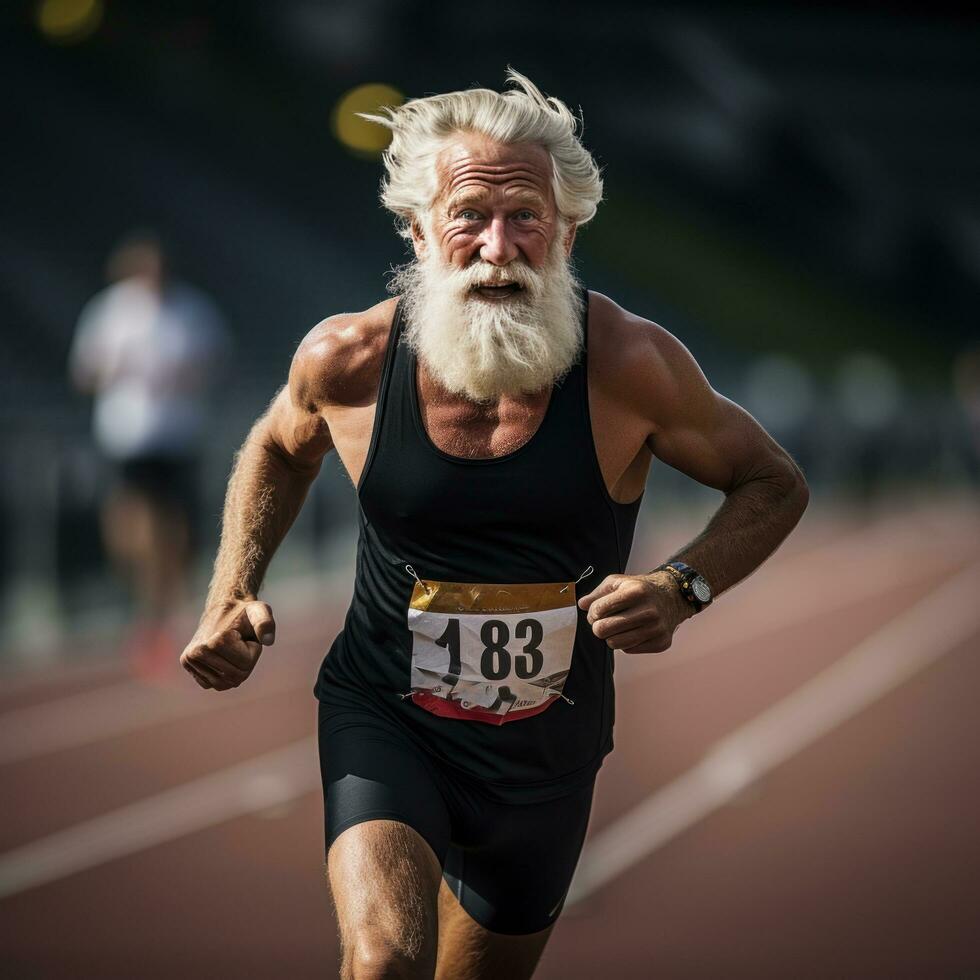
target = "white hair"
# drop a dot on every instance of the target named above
(422, 127)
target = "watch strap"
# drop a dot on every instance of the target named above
(684, 575)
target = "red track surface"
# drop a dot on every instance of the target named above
(858, 857)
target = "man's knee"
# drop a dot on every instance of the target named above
(385, 880)
(394, 935)
(370, 956)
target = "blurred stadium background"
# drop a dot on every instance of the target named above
(793, 192)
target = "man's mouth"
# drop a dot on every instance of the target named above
(500, 291)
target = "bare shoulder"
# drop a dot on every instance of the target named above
(339, 361)
(640, 363)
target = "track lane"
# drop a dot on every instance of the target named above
(857, 858)
(666, 722)
(148, 892)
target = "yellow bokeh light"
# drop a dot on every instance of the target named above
(68, 21)
(358, 134)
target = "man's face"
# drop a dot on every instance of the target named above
(495, 205)
(492, 303)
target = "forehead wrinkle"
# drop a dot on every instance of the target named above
(492, 168)
(456, 173)
(467, 149)
(497, 174)
(473, 188)
(480, 193)
(520, 180)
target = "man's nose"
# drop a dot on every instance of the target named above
(497, 248)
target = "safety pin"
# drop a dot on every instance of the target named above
(569, 700)
(588, 571)
(411, 571)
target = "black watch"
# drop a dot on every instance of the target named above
(692, 584)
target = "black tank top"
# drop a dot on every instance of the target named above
(538, 514)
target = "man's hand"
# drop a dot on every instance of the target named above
(636, 613)
(228, 643)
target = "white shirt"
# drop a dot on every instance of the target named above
(148, 357)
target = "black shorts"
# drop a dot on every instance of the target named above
(509, 865)
(169, 482)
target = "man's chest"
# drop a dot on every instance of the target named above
(486, 431)
(460, 427)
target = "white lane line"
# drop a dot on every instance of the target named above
(249, 787)
(128, 706)
(907, 644)
(290, 597)
(777, 598)
(28, 679)
(119, 709)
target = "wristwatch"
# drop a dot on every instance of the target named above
(692, 584)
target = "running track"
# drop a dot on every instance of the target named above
(794, 791)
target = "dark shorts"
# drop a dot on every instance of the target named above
(167, 479)
(509, 865)
(170, 482)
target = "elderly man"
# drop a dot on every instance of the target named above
(497, 421)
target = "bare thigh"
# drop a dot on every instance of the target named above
(467, 951)
(385, 883)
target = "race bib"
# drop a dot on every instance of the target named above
(491, 653)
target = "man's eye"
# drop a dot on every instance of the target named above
(525, 215)
(468, 214)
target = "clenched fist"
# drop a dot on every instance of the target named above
(636, 613)
(227, 644)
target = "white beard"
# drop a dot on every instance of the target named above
(484, 348)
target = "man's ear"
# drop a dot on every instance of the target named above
(418, 238)
(569, 238)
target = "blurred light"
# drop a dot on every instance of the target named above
(358, 134)
(778, 392)
(68, 21)
(869, 390)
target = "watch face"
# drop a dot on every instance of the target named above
(701, 589)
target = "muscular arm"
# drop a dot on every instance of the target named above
(694, 429)
(716, 442)
(272, 474)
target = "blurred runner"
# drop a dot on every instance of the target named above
(498, 422)
(147, 347)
